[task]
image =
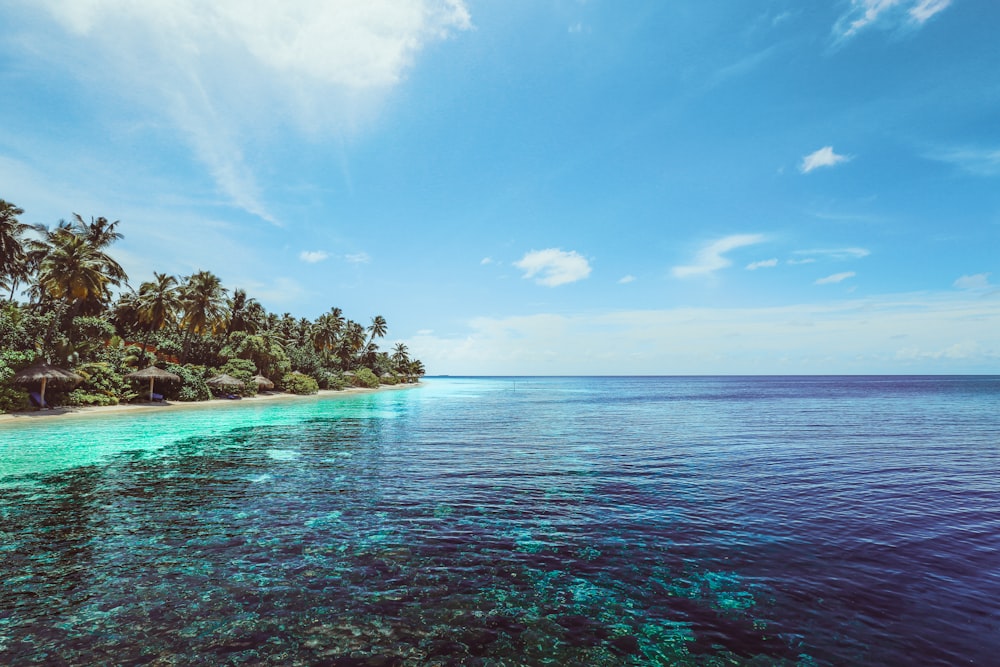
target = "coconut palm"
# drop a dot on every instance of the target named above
(352, 341)
(245, 314)
(324, 333)
(75, 272)
(377, 329)
(13, 255)
(400, 357)
(203, 300)
(157, 303)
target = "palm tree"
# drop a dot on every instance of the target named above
(75, 272)
(100, 234)
(352, 340)
(377, 328)
(13, 256)
(203, 300)
(400, 357)
(245, 314)
(325, 331)
(157, 303)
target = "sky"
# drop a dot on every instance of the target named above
(541, 187)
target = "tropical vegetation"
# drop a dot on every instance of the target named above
(78, 310)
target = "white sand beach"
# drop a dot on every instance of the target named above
(93, 411)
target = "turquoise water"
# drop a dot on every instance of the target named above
(499, 521)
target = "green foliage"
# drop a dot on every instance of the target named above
(365, 378)
(93, 328)
(242, 369)
(100, 379)
(13, 397)
(297, 383)
(81, 397)
(192, 386)
(389, 380)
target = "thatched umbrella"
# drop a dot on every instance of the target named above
(44, 373)
(263, 384)
(223, 381)
(154, 374)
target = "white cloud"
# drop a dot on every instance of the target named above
(944, 332)
(807, 260)
(710, 258)
(358, 258)
(840, 254)
(554, 266)
(889, 13)
(486, 260)
(978, 161)
(824, 157)
(763, 264)
(322, 66)
(625, 280)
(978, 281)
(925, 9)
(835, 278)
(313, 256)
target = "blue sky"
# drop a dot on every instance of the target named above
(545, 187)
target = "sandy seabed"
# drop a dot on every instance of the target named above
(134, 408)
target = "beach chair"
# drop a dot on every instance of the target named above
(37, 401)
(156, 397)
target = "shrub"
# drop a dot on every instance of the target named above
(13, 398)
(297, 383)
(242, 369)
(389, 379)
(83, 398)
(101, 379)
(192, 386)
(365, 378)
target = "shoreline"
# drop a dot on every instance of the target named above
(124, 408)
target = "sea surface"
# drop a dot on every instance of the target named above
(515, 521)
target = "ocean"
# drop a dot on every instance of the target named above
(515, 521)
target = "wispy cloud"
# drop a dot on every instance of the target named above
(313, 256)
(486, 260)
(322, 67)
(978, 281)
(554, 267)
(925, 9)
(711, 258)
(891, 13)
(358, 258)
(763, 264)
(625, 280)
(824, 157)
(840, 254)
(978, 161)
(835, 278)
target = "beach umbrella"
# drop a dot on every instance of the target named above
(154, 374)
(263, 383)
(45, 373)
(223, 381)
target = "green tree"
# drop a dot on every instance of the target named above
(203, 300)
(157, 304)
(13, 255)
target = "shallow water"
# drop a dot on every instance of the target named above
(584, 521)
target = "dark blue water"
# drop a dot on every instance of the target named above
(556, 521)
